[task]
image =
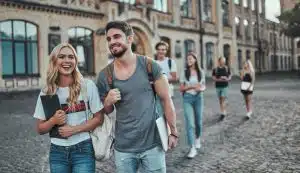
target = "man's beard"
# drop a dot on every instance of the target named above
(120, 53)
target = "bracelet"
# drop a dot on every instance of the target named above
(174, 135)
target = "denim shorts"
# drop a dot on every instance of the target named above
(222, 92)
(76, 158)
(152, 160)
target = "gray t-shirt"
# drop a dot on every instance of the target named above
(136, 112)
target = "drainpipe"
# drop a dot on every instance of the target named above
(201, 33)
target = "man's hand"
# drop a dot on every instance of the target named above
(172, 141)
(112, 97)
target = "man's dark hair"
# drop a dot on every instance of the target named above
(162, 43)
(121, 25)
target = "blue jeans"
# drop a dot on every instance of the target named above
(79, 158)
(193, 110)
(150, 161)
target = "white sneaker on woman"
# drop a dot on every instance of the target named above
(198, 143)
(192, 153)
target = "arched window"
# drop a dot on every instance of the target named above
(82, 40)
(248, 54)
(189, 46)
(226, 50)
(240, 59)
(209, 47)
(237, 1)
(19, 48)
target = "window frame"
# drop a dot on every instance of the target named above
(25, 42)
(88, 66)
(209, 65)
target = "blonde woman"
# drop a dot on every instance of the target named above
(73, 150)
(248, 78)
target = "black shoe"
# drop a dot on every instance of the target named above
(222, 116)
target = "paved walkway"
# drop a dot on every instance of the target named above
(269, 142)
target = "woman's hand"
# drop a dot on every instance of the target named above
(59, 118)
(67, 131)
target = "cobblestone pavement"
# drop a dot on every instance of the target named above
(269, 142)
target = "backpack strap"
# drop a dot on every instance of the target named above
(149, 62)
(108, 70)
(170, 63)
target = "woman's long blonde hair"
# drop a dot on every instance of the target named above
(52, 80)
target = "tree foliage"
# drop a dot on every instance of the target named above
(291, 21)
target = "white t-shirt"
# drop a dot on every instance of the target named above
(164, 64)
(192, 81)
(76, 117)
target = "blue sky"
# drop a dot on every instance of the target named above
(272, 9)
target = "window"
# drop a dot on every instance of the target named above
(207, 8)
(248, 54)
(225, 8)
(186, 8)
(82, 40)
(161, 5)
(226, 50)
(128, 1)
(271, 39)
(19, 47)
(245, 3)
(281, 63)
(252, 5)
(189, 46)
(254, 30)
(237, 1)
(240, 59)
(209, 55)
(257, 63)
(238, 26)
(285, 63)
(247, 29)
(259, 6)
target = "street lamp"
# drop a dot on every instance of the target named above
(201, 32)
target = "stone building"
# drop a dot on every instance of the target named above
(31, 28)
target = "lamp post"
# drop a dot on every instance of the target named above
(201, 32)
(259, 41)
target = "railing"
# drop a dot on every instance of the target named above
(188, 22)
(164, 18)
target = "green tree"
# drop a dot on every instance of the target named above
(291, 21)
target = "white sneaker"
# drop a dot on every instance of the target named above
(198, 143)
(249, 114)
(192, 153)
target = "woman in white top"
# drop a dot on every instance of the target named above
(192, 85)
(71, 149)
(248, 78)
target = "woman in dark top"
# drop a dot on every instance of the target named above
(248, 77)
